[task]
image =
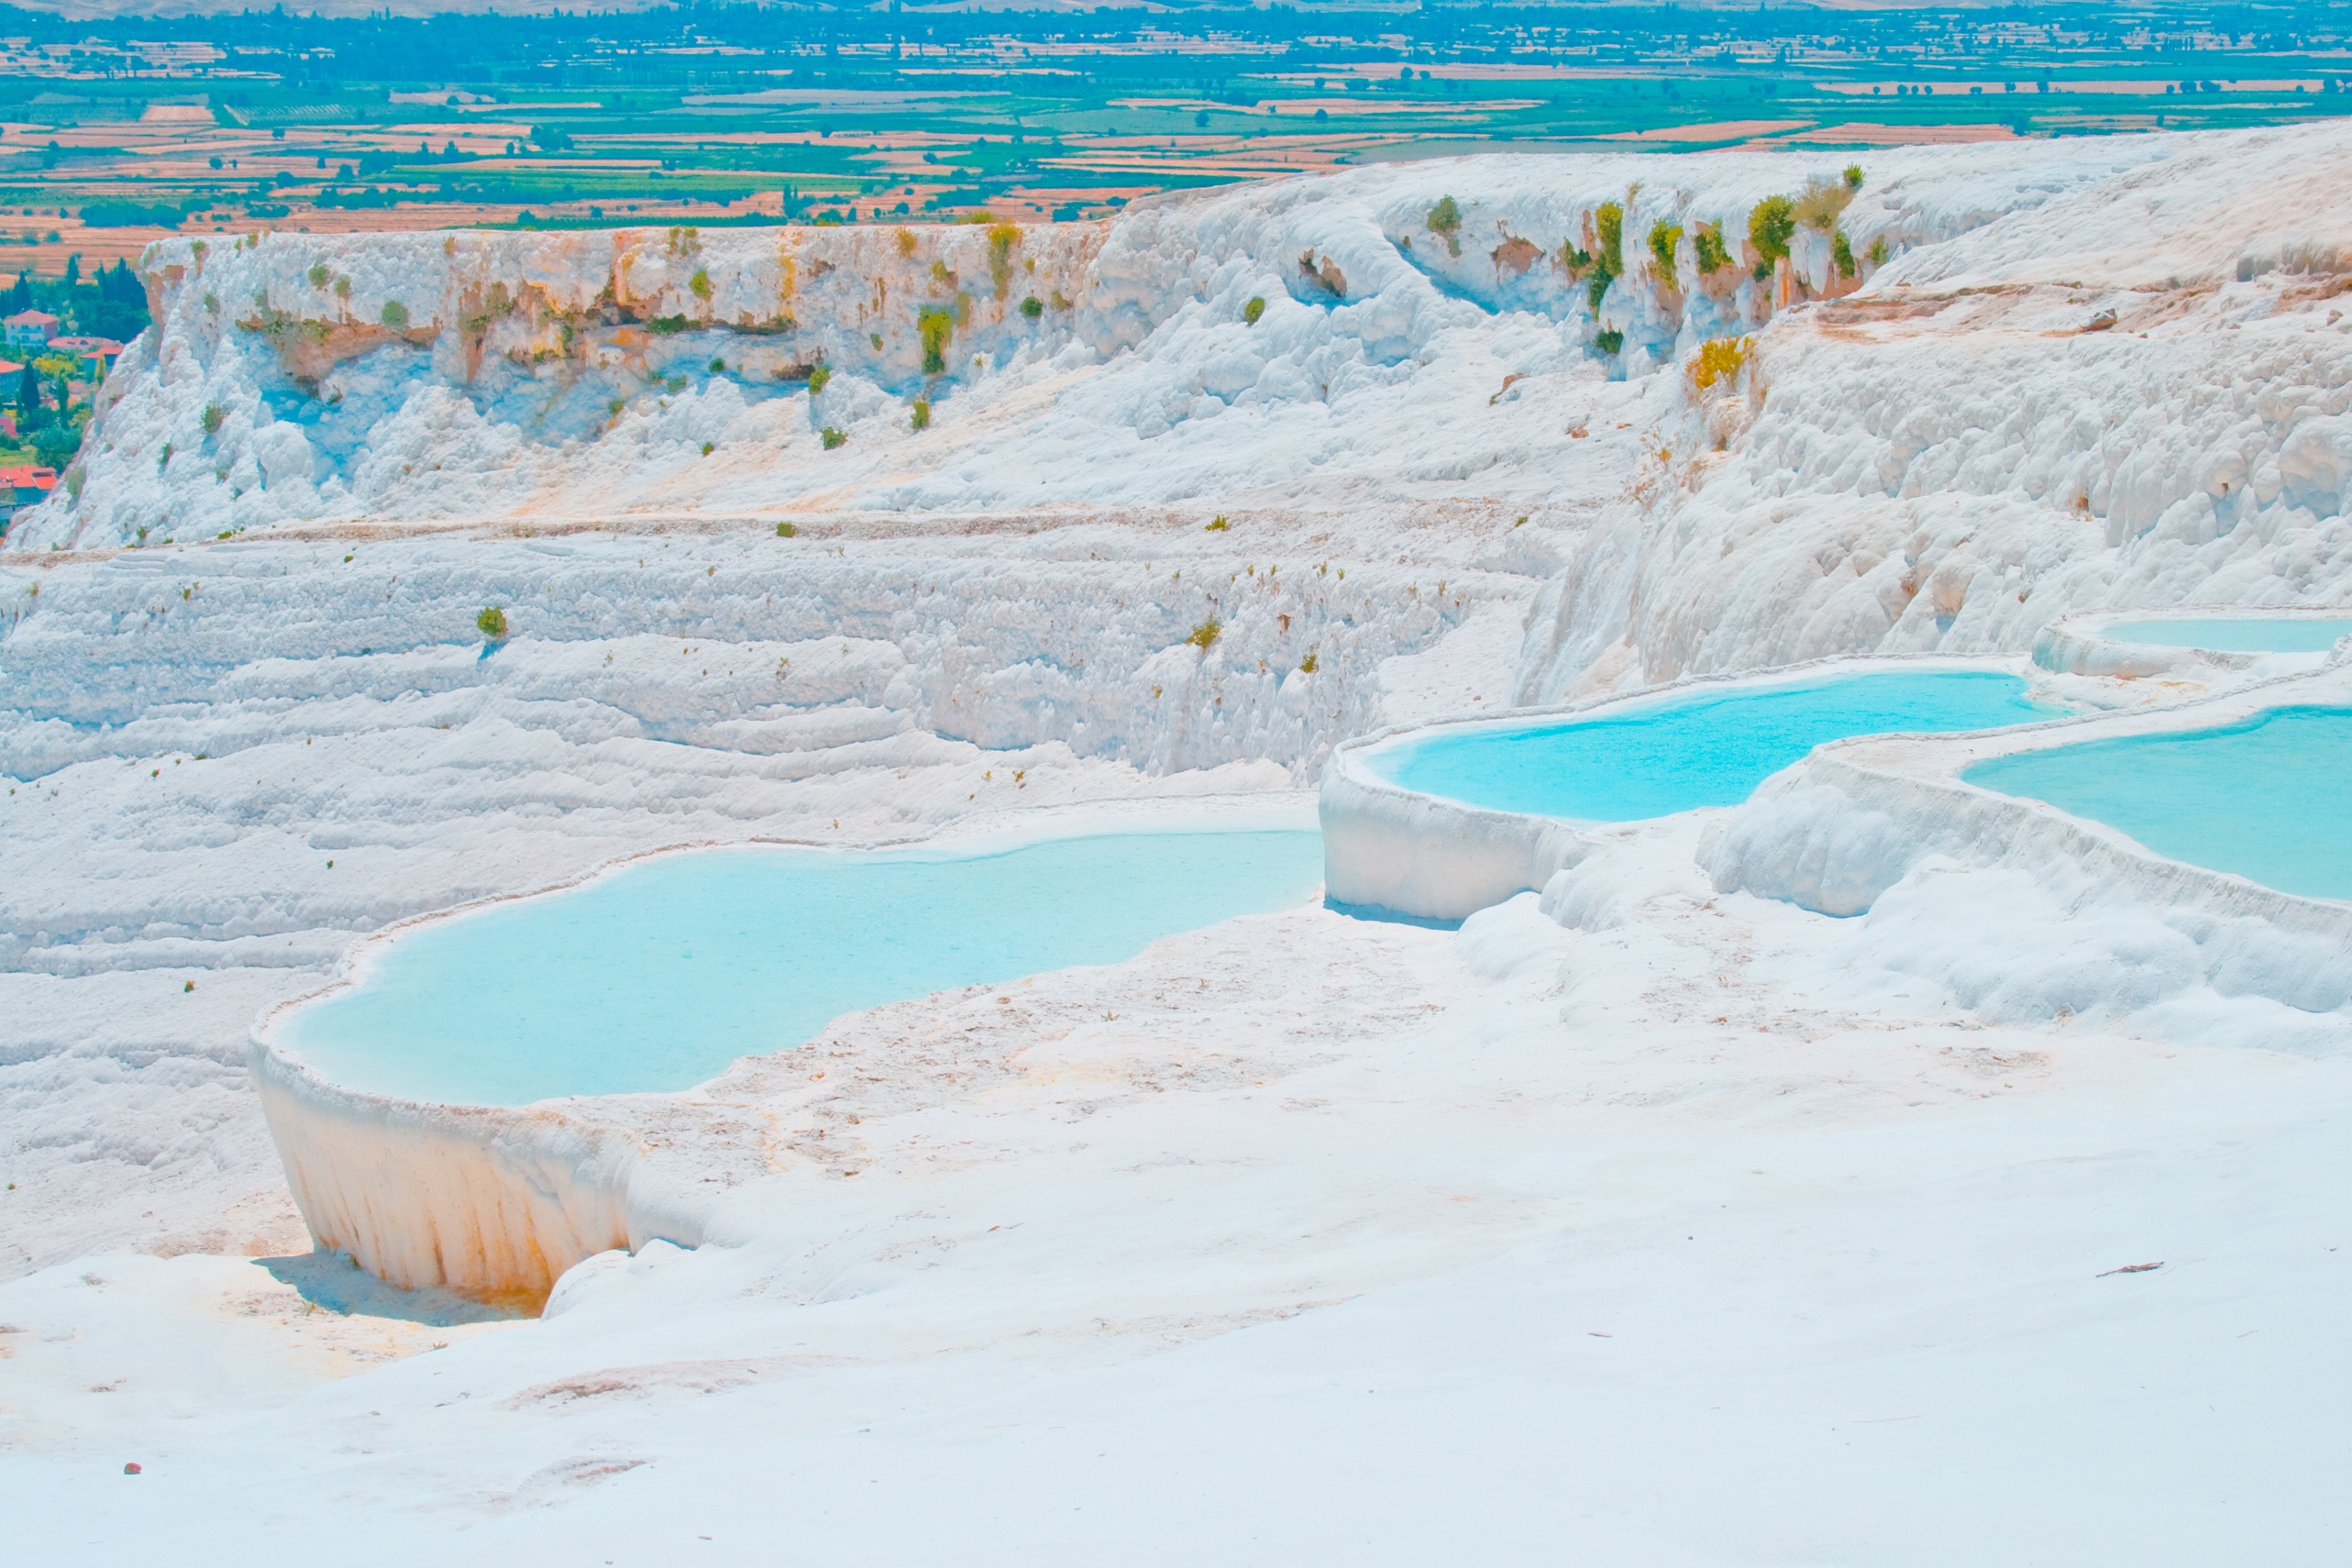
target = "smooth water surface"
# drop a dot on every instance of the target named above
(2232, 636)
(2266, 798)
(658, 976)
(1705, 748)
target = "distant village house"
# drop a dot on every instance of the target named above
(30, 329)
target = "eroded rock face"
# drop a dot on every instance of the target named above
(668, 373)
(2079, 405)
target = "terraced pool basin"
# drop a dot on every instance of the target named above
(658, 976)
(1701, 748)
(2278, 635)
(2265, 797)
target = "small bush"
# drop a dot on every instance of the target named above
(1717, 361)
(1821, 206)
(318, 275)
(936, 328)
(1842, 254)
(1306, 665)
(1252, 311)
(833, 438)
(1707, 244)
(701, 284)
(919, 417)
(905, 242)
(1609, 224)
(1853, 176)
(1445, 221)
(1002, 238)
(342, 288)
(875, 339)
(1771, 223)
(1216, 524)
(492, 623)
(785, 530)
(1205, 633)
(1663, 237)
(394, 315)
(1609, 253)
(1033, 307)
(718, 367)
(1876, 254)
(817, 380)
(213, 414)
(1609, 340)
(708, 448)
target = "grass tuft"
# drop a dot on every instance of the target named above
(1717, 361)
(1663, 237)
(1771, 223)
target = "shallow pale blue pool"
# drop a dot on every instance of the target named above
(658, 976)
(2265, 797)
(1703, 748)
(2252, 635)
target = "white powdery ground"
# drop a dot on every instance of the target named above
(1318, 1253)
(226, 763)
(1680, 1236)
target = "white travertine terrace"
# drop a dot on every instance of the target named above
(2079, 645)
(493, 1201)
(1859, 819)
(1163, 1218)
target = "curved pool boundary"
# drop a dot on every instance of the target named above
(498, 1201)
(2079, 645)
(1837, 830)
(1392, 850)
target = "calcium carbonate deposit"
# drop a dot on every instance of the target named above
(1878, 1170)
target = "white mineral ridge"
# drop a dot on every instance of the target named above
(1138, 383)
(1644, 1221)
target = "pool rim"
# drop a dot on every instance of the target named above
(497, 1201)
(1823, 671)
(1392, 849)
(1934, 763)
(2079, 645)
(1001, 831)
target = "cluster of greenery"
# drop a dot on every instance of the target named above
(110, 303)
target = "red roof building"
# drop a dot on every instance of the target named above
(29, 329)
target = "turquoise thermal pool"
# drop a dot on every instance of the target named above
(2232, 636)
(1703, 748)
(657, 977)
(2265, 797)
